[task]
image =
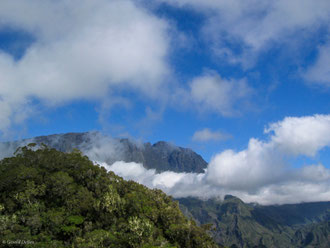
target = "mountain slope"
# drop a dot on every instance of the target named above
(313, 235)
(161, 156)
(55, 199)
(236, 224)
(245, 225)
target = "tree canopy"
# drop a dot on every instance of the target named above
(55, 199)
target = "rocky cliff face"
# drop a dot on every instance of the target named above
(164, 156)
(161, 156)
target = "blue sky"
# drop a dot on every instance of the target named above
(209, 75)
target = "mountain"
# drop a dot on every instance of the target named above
(54, 199)
(161, 156)
(237, 224)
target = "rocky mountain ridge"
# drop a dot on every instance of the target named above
(161, 156)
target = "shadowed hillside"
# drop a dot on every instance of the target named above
(237, 224)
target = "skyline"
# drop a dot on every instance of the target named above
(234, 81)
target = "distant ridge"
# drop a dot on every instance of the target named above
(237, 224)
(161, 156)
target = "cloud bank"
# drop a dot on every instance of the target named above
(260, 173)
(81, 50)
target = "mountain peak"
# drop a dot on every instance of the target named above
(230, 197)
(165, 146)
(161, 156)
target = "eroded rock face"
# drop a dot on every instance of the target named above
(161, 156)
(164, 156)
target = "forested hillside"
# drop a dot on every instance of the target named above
(56, 199)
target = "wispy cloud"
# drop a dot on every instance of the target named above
(210, 93)
(206, 135)
(240, 30)
(319, 73)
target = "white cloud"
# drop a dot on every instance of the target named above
(263, 167)
(301, 136)
(132, 171)
(260, 173)
(319, 72)
(255, 25)
(265, 163)
(82, 49)
(205, 135)
(210, 92)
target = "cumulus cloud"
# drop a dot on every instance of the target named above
(81, 50)
(301, 136)
(210, 92)
(319, 72)
(255, 25)
(206, 134)
(176, 184)
(260, 173)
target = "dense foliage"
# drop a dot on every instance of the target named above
(55, 199)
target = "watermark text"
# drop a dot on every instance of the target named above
(18, 242)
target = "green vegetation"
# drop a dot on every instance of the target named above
(238, 224)
(56, 199)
